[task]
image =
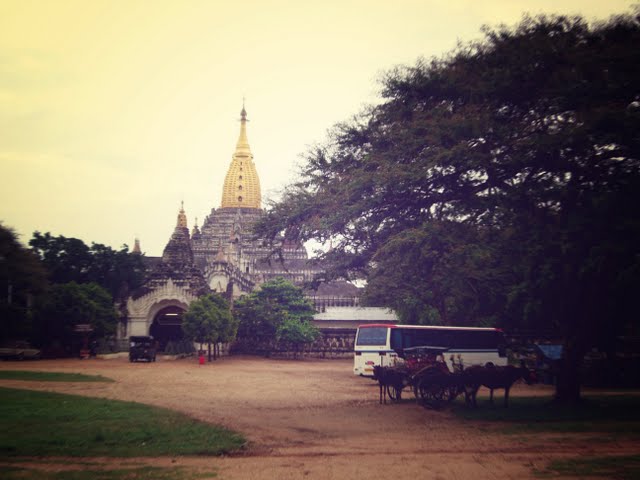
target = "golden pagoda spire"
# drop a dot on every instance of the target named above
(241, 185)
(182, 218)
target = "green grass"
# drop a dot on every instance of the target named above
(602, 417)
(50, 424)
(137, 473)
(50, 376)
(613, 414)
(625, 467)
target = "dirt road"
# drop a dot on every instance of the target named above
(315, 420)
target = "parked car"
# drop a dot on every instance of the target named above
(142, 348)
(19, 350)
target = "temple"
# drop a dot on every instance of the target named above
(222, 255)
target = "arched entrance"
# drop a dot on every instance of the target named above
(167, 326)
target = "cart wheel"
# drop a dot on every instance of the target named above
(435, 397)
(420, 380)
(430, 393)
(452, 393)
(394, 393)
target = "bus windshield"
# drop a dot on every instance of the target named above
(372, 336)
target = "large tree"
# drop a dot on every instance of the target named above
(21, 277)
(504, 177)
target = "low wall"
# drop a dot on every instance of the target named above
(112, 356)
(333, 343)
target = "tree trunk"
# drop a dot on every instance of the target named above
(209, 351)
(568, 386)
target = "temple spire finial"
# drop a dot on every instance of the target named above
(182, 217)
(195, 231)
(243, 113)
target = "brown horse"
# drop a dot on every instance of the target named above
(493, 378)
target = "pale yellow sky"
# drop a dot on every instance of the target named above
(114, 111)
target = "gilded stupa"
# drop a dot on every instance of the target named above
(242, 185)
(224, 248)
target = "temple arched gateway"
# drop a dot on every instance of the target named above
(220, 256)
(158, 310)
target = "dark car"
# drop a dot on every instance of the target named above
(18, 350)
(142, 348)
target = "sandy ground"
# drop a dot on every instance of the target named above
(315, 420)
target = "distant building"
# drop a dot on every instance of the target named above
(346, 318)
(221, 256)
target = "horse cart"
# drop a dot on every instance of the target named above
(434, 384)
(425, 372)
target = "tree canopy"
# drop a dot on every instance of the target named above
(497, 184)
(209, 320)
(71, 260)
(296, 332)
(278, 310)
(66, 305)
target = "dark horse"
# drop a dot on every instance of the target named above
(493, 377)
(390, 381)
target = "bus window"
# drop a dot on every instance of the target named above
(372, 336)
(481, 339)
(414, 337)
(396, 339)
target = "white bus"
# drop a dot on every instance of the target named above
(384, 345)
